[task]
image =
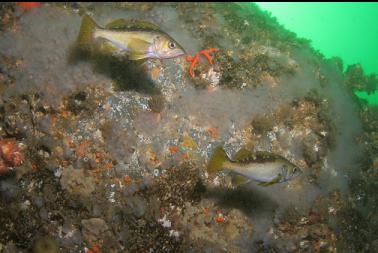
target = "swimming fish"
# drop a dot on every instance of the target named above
(263, 167)
(133, 38)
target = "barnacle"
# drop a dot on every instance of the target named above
(156, 103)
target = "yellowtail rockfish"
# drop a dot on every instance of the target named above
(263, 167)
(133, 38)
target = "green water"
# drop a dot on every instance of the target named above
(347, 30)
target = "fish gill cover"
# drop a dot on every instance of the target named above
(114, 153)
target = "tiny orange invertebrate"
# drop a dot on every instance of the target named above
(34, 167)
(214, 132)
(173, 149)
(96, 249)
(220, 218)
(3, 167)
(127, 179)
(66, 114)
(155, 73)
(185, 156)
(10, 155)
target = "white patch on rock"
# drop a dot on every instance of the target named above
(164, 222)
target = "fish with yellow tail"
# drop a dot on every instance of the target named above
(263, 167)
(132, 38)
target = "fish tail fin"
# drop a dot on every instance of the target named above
(217, 160)
(87, 29)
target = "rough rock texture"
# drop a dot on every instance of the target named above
(115, 152)
(76, 182)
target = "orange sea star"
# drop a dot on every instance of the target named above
(28, 5)
(195, 60)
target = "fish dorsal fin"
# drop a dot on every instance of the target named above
(217, 160)
(264, 156)
(131, 24)
(243, 155)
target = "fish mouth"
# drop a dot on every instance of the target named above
(174, 56)
(184, 51)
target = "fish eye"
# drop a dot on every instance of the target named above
(171, 45)
(296, 170)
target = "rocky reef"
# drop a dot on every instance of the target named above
(100, 154)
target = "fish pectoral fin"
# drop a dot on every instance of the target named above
(274, 181)
(138, 49)
(238, 180)
(136, 57)
(139, 45)
(108, 47)
(217, 160)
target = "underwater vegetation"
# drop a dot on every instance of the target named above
(101, 153)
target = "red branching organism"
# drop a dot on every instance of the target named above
(195, 60)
